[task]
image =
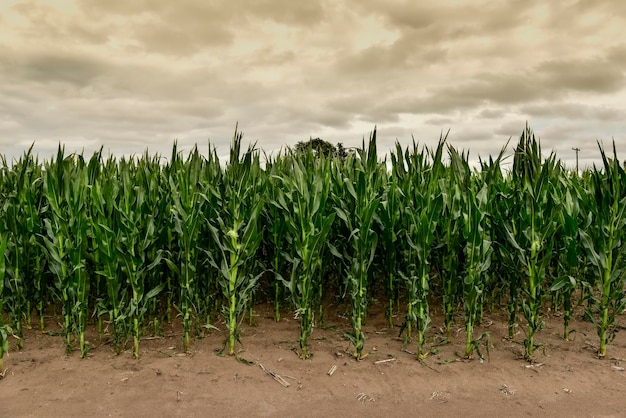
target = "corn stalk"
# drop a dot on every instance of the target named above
(391, 233)
(4, 329)
(477, 248)
(357, 209)
(604, 241)
(568, 253)
(421, 216)
(236, 233)
(66, 240)
(477, 262)
(276, 229)
(532, 238)
(105, 232)
(22, 209)
(302, 200)
(186, 191)
(450, 246)
(135, 247)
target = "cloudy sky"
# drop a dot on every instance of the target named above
(131, 75)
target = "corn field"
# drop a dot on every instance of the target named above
(127, 245)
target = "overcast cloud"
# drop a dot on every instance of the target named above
(131, 75)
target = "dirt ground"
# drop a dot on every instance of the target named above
(565, 380)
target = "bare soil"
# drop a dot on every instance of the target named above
(566, 379)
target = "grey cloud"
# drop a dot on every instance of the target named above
(285, 116)
(50, 24)
(107, 120)
(182, 31)
(190, 26)
(126, 79)
(439, 121)
(328, 118)
(92, 73)
(351, 101)
(361, 105)
(471, 138)
(492, 113)
(269, 57)
(379, 115)
(392, 133)
(284, 11)
(412, 14)
(405, 14)
(133, 73)
(171, 40)
(46, 67)
(510, 128)
(594, 75)
(405, 53)
(193, 11)
(617, 55)
(41, 19)
(161, 27)
(450, 19)
(121, 7)
(486, 88)
(567, 16)
(551, 80)
(573, 111)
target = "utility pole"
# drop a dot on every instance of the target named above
(577, 151)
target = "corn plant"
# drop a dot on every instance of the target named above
(77, 199)
(491, 175)
(451, 243)
(5, 332)
(135, 246)
(66, 240)
(22, 207)
(302, 199)
(208, 295)
(57, 236)
(390, 227)
(4, 240)
(4, 329)
(16, 299)
(509, 267)
(105, 231)
(357, 209)
(236, 233)
(421, 215)
(186, 192)
(169, 273)
(477, 249)
(604, 241)
(588, 274)
(532, 238)
(568, 258)
(97, 282)
(149, 179)
(276, 228)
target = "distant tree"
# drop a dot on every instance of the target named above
(321, 147)
(318, 146)
(342, 153)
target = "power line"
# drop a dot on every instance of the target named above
(577, 151)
